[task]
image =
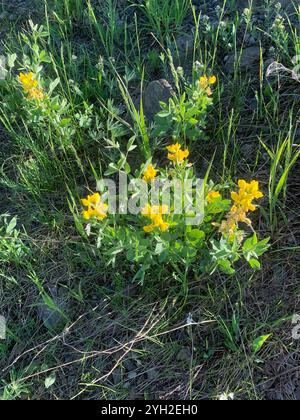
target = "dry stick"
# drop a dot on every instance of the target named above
(143, 336)
(140, 335)
(51, 340)
(108, 351)
(114, 349)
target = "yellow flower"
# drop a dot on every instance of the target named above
(27, 81)
(174, 148)
(95, 207)
(164, 226)
(212, 196)
(150, 173)
(149, 228)
(30, 86)
(228, 228)
(212, 80)
(36, 94)
(205, 82)
(239, 215)
(246, 194)
(209, 92)
(177, 155)
(242, 205)
(155, 214)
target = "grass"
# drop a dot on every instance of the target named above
(182, 333)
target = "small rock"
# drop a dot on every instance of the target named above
(247, 150)
(156, 92)
(248, 59)
(251, 41)
(184, 49)
(184, 355)
(268, 62)
(53, 319)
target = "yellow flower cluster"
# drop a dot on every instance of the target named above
(95, 207)
(247, 193)
(205, 83)
(31, 86)
(176, 154)
(155, 214)
(212, 196)
(150, 173)
(243, 203)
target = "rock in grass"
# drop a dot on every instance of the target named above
(248, 59)
(183, 50)
(53, 319)
(184, 355)
(156, 92)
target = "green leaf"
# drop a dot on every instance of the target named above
(65, 122)
(218, 206)
(127, 168)
(112, 169)
(226, 266)
(252, 249)
(160, 247)
(259, 342)
(130, 145)
(44, 57)
(164, 114)
(53, 85)
(195, 235)
(255, 264)
(250, 243)
(12, 224)
(11, 60)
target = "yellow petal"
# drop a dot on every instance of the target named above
(242, 184)
(174, 148)
(148, 228)
(86, 215)
(212, 80)
(203, 81)
(85, 202)
(235, 197)
(164, 226)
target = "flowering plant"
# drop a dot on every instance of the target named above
(185, 115)
(160, 234)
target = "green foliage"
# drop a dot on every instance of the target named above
(13, 249)
(259, 342)
(165, 16)
(184, 117)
